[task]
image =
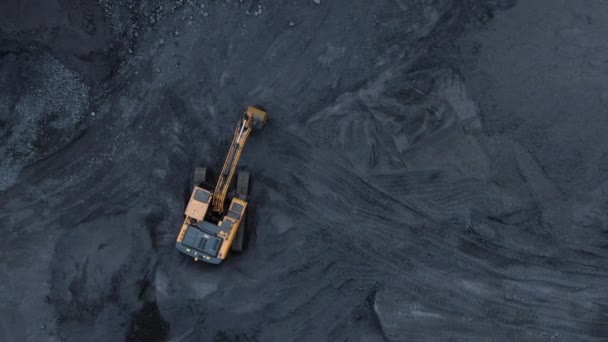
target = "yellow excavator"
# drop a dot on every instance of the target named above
(208, 234)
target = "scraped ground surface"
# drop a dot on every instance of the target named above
(433, 169)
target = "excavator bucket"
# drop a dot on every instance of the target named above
(259, 116)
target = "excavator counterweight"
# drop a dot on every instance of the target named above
(209, 230)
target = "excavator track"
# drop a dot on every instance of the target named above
(200, 176)
(242, 192)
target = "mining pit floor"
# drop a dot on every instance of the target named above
(432, 170)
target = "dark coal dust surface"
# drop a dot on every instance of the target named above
(433, 170)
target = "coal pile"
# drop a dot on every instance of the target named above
(433, 170)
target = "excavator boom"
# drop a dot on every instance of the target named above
(234, 154)
(253, 117)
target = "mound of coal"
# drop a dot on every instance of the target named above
(432, 170)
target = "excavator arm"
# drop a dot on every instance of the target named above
(234, 154)
(253, 117)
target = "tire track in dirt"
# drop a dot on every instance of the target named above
(360, 194)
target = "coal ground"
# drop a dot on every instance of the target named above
(433, 170)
